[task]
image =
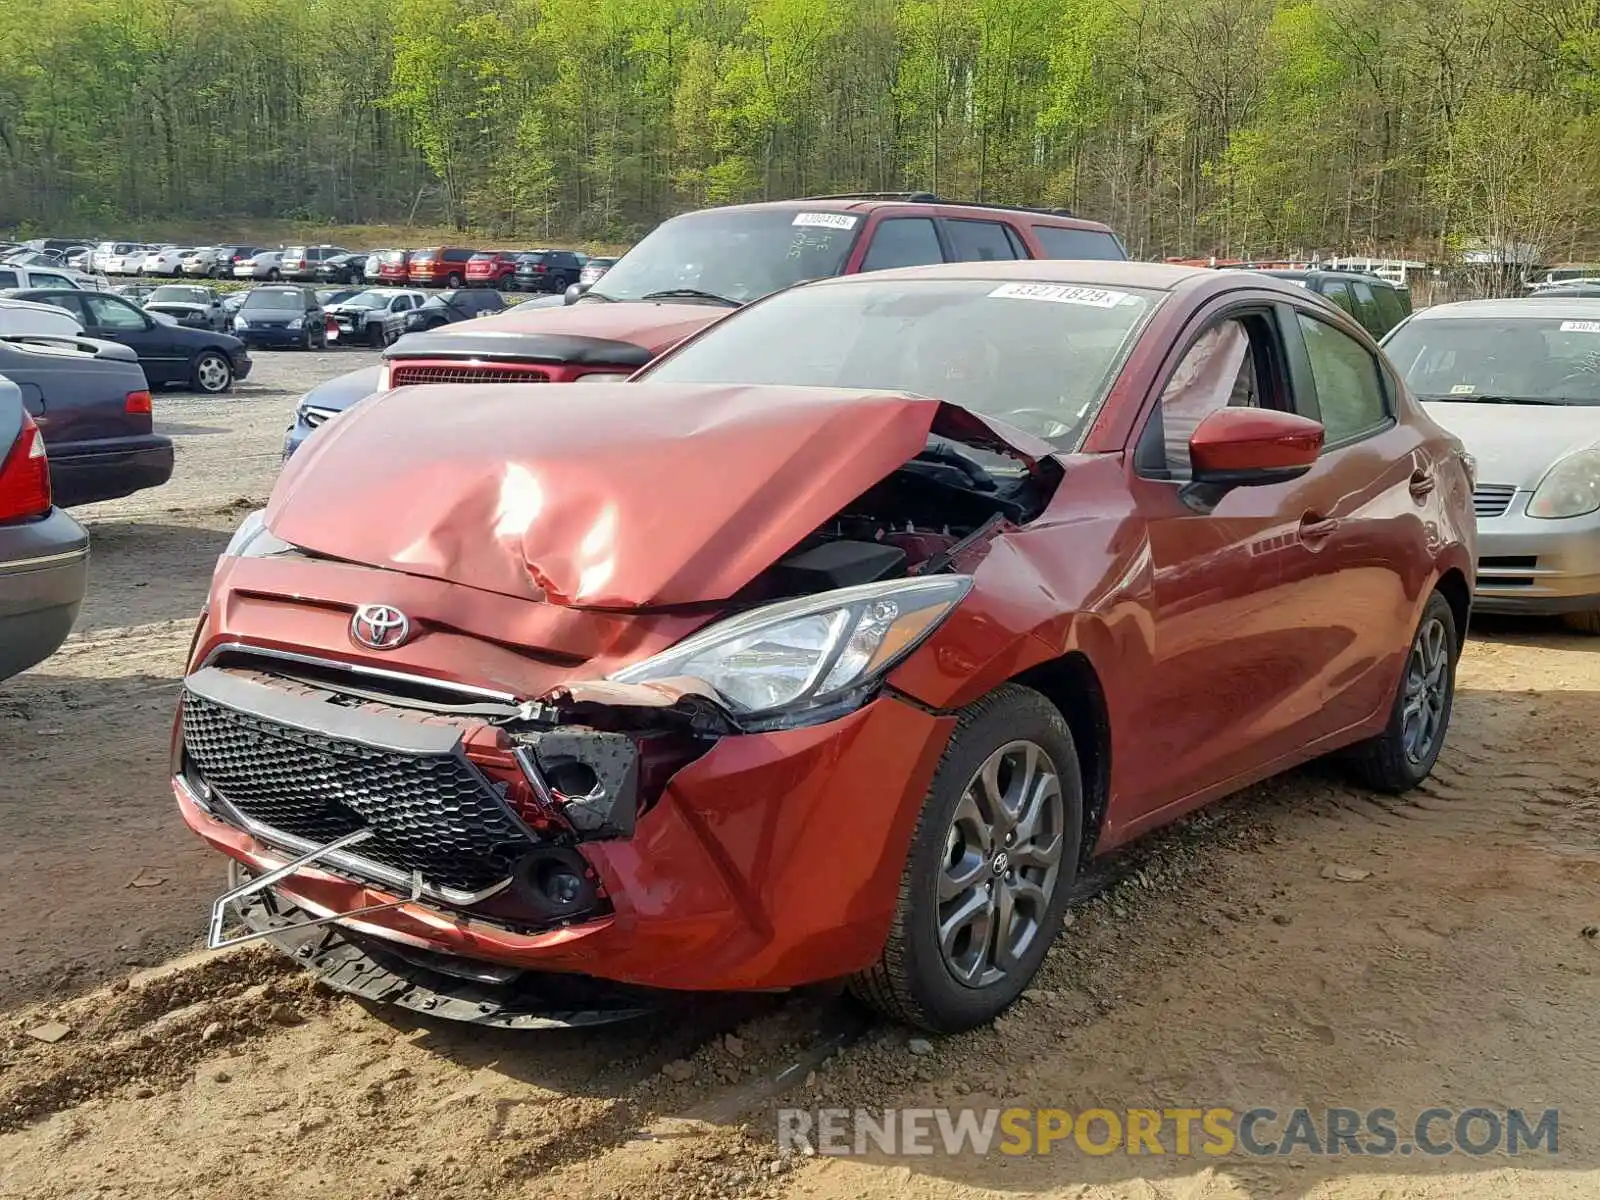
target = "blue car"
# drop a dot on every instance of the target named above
(328, 400)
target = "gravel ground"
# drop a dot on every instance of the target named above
(1304, 944)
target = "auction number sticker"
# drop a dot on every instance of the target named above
(1580, 327)
(1463, 389)
(1059, 294)
(826, 220)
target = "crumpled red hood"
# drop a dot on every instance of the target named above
(622, 495)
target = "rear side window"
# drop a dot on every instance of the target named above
(1367, 308)
(44, 279)
(903, 242)
(1057, 242)
(1337, 291)
(1350, 393)
(8, 279)
(458, 255)
(1390, 307)
(978, 241)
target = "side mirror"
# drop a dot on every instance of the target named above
(1248, 447)
(575, 291)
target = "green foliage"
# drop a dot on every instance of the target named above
(1229, 127)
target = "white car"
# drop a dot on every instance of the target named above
(24, 318)
(265, 264)
(125, 258)
(13, 275)
(165, 260)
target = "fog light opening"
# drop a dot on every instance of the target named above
(559, 883)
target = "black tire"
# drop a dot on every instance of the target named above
(273, 274)
(1582, 622)
(211, 373)
(452, 280)
(1388, 763)
(912, 982)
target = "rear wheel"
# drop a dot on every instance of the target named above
(212, 373)
(273, 274)
(992, 862)
(452, 280)
(1583, 622)
(1403, 755)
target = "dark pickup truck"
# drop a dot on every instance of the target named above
(92, 405)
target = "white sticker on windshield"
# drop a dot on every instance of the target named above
(1463, 389)
(826, 220)
(1058, 294)
(1580, 327)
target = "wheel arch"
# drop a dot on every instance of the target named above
(1453, 586)
(1071, 683)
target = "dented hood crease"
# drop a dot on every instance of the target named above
(624, 496)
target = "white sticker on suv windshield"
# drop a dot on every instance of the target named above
(1463, 389)
(826, 220)
(1580, 327)
(1058, 294)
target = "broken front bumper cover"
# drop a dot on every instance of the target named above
(457, 989)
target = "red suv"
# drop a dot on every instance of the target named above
(491, 268)
(439, 266)
(692, 269)
(393, 267)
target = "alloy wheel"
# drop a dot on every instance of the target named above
(1001, 865)
(213, 374)
(1426, 689)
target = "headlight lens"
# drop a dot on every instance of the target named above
(802, 654)
(240, 323)
(253, 539)
(1571, 488)
(602, 377)
(297, 323)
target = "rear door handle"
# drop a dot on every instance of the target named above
(1422, 482)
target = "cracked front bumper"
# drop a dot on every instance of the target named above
(773, 860)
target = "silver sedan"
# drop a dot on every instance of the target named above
(1518, 381)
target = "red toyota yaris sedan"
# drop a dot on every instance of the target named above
(831, 646)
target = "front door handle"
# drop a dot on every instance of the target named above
(1315, 530)
(1422, 482)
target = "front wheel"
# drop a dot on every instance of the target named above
(1403, 755)
(212, 373)
(273, 274)
(992, 862)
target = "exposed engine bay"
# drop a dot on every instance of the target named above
(915, 522)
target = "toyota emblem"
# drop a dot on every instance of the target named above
(380, 627)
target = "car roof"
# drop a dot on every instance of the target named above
(1089, 272)
(1576, 307)
(870, 202)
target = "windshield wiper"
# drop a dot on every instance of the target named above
(689, 294)
(1480, 398)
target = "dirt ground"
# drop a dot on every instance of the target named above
(1304, 944)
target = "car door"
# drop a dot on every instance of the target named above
(1244, 639)
(155, 342)
(1367, 496)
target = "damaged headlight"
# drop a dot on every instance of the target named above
(805, 653)
(253, 539)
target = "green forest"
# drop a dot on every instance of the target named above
(1229, 127)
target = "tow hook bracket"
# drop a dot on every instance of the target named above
(219, 906)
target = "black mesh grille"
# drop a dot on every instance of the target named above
(1492, 499)
(405, 374)
(433, 814)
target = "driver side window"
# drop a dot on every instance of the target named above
(109, 313)
(1218, 371)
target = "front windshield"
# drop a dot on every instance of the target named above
(1039, 356)
(180, 295)
(1495, 360)
(736, 254)
(275, 301)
